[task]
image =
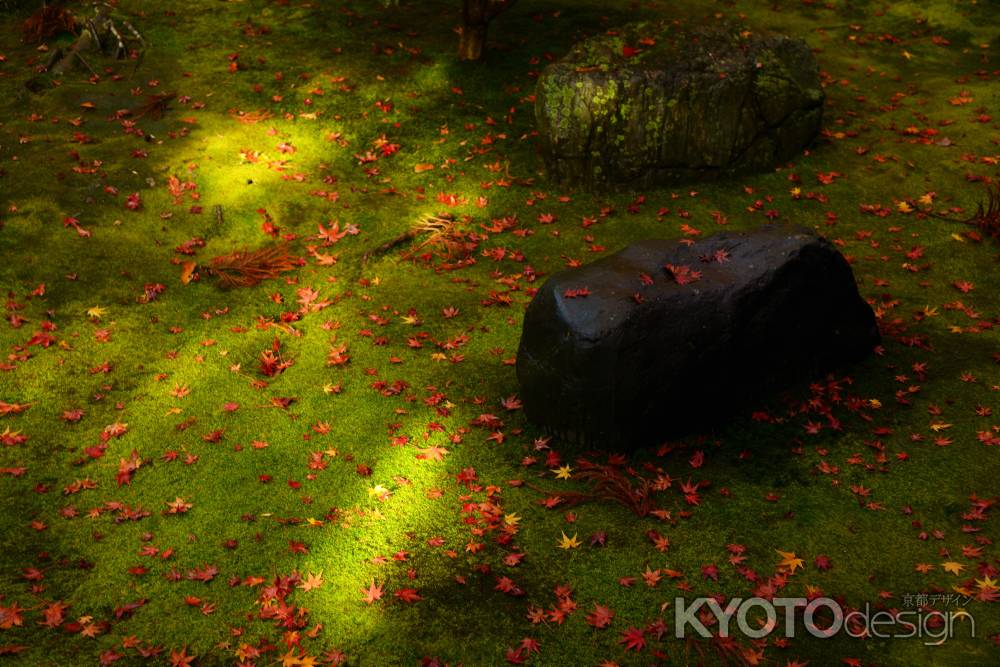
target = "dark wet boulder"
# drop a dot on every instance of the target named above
(664, 338)
(654, 103)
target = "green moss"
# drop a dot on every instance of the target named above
(209, 341)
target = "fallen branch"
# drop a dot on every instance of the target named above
(246, 268)
(389, 246)
(986, 219)
(441, 232)
(608, 483)
(154, 106)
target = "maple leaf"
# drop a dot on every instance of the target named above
(178, 506)
(205, 573)
(600, 617)
(789, 562)
(181, 658)
(563, 472)
(651, 577)
(54, 614)
(569, 542)
(311, 582)
(126, 467)
(109, 657)
(633, 639)
(986, 583)
(408, 595)
(372, 593)
(338, 355)
(13, 408)
(661, 542)
(515, 656)
(432, 453)
(511, 403)
(953, 567)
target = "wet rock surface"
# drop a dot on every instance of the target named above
(655, 104)
(662, 338)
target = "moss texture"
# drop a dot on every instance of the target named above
(360, 115)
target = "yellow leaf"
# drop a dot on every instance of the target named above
(789, 561)
(422, 167)
(563, 472)
(187, 271)
(569, 542)
(986, 583)
(96, 313)
(953, 567)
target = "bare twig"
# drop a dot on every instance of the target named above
(986, 219)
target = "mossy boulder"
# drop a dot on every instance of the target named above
(653, 103)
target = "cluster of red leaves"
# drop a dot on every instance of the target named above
(271, 361)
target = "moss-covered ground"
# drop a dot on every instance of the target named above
(388, 503)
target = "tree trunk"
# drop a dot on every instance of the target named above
(476, 17)
(472, 41)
